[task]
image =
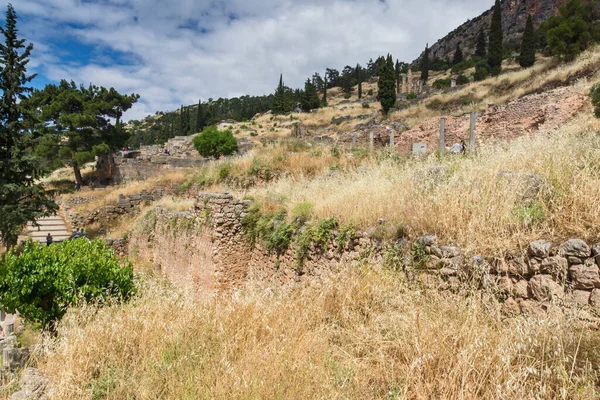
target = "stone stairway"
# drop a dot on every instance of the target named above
(54, 225)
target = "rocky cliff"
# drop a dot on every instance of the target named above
(514, 17)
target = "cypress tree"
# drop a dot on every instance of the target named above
(359, 80)
(199, 117)
(279, 101)
(387, 85)
(398, 70)
(527, 56)
(324, 100)
(480, 48)
(309, 98)
(495, 44)
(458, 55)
(425, 65)
(22, 197)
(181, 125)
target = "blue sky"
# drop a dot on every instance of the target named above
(175, 52)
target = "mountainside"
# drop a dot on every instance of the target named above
(514, 17)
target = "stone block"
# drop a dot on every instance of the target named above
(520, 289)
(585, 276)
(578, 298)
(510, 308)
(575, 248)
(596, 253)
(544, 288)
(449, 251)
(556, 266)
(595, 300)
(539, 249)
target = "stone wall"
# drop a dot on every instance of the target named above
(216, 254)
(123, 205)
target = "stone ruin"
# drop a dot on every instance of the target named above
(410, 84)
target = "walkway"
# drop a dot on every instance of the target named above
(54, 225)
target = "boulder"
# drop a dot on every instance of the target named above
(532, 309)
(505, 287)
(449, 251)
(539, 249)
(544, 288)
(429, 240)
(585, 276)
(517, 266)
(575, 248)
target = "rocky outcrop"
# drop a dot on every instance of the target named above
(514, 18)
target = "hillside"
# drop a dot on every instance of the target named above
(514, 17)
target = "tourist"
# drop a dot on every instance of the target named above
(49, 239)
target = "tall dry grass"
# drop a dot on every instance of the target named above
(363, 335)
(465, 200)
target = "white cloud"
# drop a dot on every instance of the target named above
(229, 47)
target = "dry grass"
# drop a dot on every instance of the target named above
(464, 200)
(109, 195)
(366, 336)
(512, 84)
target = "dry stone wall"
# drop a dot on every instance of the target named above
(216, 255)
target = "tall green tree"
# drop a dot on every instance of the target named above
(22, 198)
(398, 71)
(324, 99)
(481, 46)
(310, 97)
(359, 80)
(387, 85)
(425, 65)
(572, 31)
(528, 45)
(595, 97)
(78, 122)
(458, 55)
(280, 100)
(495, 49)
(200, 118)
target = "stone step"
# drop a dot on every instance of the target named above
(46, 223)
(55, 228)
(62, 232)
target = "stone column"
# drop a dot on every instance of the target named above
(453, 83)
(442, 146)
(472, 132)
(391, 138)
(371, 141)
(353, 140)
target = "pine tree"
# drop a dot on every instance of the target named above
(309, 98)
(481, 46)
(387, 85)
(495, 50)
(22, 198)
(359, 80)
(425, 65)
(527, 56)
(458, 55)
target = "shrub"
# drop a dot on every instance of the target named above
(463, 65)
(462, 80)
(595, 96)
(411, 96)
(347, 95)
(365, 105)
(214, 143)
(442, 83)
(44, 281)
(370, 92)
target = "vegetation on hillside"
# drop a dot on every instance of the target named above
(22, 197)
(215, 143)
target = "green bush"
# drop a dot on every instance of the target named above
(595, 96)
(442, 83)
(365, 105)
(370, 92)
(463, 65)
(43, 281)
(214, 143)
(347, 95)
(411, 96)
(462, 80)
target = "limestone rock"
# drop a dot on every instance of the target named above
(539, 249)
(511, 308)
(532, 309)
(578, 298)
(556, 266)
(544, 288)
(521, 289)
(595, 300)
(34, 386)
(596, 253)
(505, 287)
(518, 267)
(449, 251)
(575, 248)
(585, 276)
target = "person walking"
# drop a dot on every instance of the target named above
(49, 239)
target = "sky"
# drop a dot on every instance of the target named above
(179, 51)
